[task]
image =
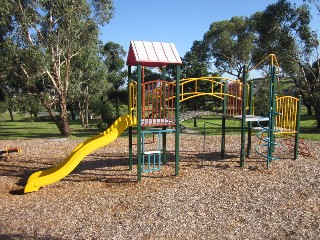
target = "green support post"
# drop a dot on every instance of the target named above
(224, 116)
(139, 130)
(250, 113)
(177, 118)
(130, 128)
(243, 119)
(164, 134)
(272, 114)
(274, 104)
(296, 142)
(164, 144)
(164, 73)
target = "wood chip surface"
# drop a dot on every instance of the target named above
(212, 198)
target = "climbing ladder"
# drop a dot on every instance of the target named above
(153, 155)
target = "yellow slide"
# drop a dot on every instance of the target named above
(51, 175)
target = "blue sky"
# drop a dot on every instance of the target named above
(178, 21)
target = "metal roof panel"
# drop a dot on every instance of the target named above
(152, 54)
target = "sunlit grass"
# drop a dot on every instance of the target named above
(211, 125)
(24, 128)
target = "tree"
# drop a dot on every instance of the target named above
(315, 3)
(88, 79)
(230, 44)
(117, 95)
(196, 61)
(47, 36)
(311, 85)
(288, 35)
(29, 104)
(6, 26)
(114, 56)
(114, 60)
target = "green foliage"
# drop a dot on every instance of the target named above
(231, 44)
(46, 37)
(311, 90)
(3, 107)
(196, 61)
(262, 98)
(283, 29)
(114, 56)
(29, 104)
(149, 75)
(114, 60)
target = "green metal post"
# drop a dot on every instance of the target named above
(272, 113)
(164, 144)
(130, 128)
(139, 130)
(274, 104)
(177, 118)
(250, 113)
(195, 122)
(164, 73)
(224, 116)
(164, 134)
(243, 119)
(296, 142)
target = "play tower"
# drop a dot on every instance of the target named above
(153, 103)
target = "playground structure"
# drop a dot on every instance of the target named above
(9, 150)
(154, 109)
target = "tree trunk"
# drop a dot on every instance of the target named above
(11, 114)
(73, 115)
(86, 106)
(117, 108)
(307, 103)
(317, 114)
(64, 122)
(87, 116)
(81, 115)
(63, 130)
(309, 110)
(10, 109)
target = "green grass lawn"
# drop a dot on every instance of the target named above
(212, 126)
(24, 128)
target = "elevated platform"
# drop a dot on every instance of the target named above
(157, 122)
(252, 118)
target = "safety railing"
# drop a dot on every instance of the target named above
(204, 86)
(158, 106)
(132, 98)
(286, 120)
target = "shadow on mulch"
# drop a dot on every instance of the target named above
(106, 167)
(22, 236)
(114, 168)
(16, 192)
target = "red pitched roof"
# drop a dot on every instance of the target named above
(152, 54)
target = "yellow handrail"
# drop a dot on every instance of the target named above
(132, 97)
(273, 60)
